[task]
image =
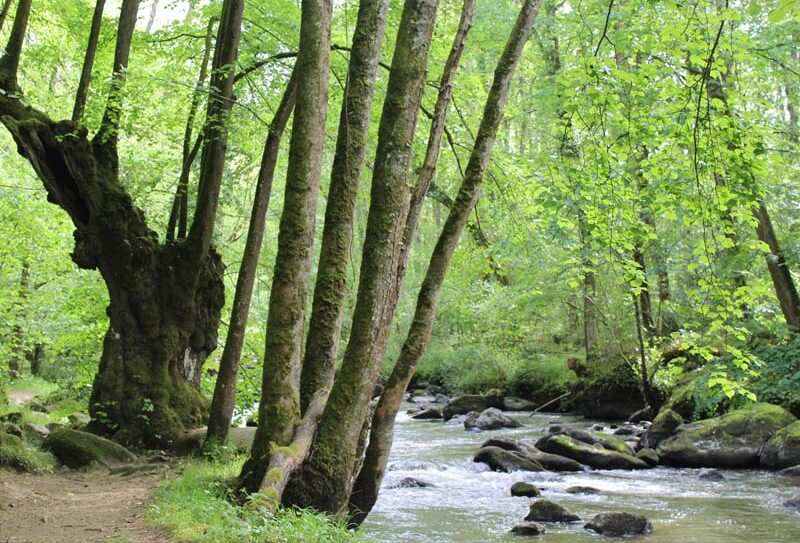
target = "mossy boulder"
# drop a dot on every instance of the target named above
(15, 454)
(606, 389)
(593, 455)
(783, 449)
(549, 511)
(734, 440)
(512, 403)
(650, 456)
(506, 461)
(78, 449)
(525, 489)
(664, 425)
(619, 524)
(550, 462)
(592, 438)
(529, 529)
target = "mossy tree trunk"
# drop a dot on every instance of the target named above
(381, 433)
(224, 399)
(165, 299)
(279, 409)
(325, 479)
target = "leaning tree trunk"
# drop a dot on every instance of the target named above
(164, 299)
(324, 480)
(366, 487)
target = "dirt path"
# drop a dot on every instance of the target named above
(74, 507)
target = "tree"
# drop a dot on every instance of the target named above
(165, 298)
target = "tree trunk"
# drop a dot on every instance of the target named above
(164, 300)
(324, 480)
(179, 215)
(279, 409)
(224, 399)
(88, 62)
(4, 12)
(589, 292)
(152, 18)
(381, 434)
(322, 343)
(17, 358)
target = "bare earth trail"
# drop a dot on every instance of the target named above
(75, 507)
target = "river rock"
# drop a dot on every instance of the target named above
(78, 449)
(442, 399)
(664, 425)
(582, 490)
(734, 440)
(524, 489)
(423, 399)
(430, 413)
(461, 405)
(625, 431)
(548, 511)
(412, 482)
(783, 449)
(489, 419)
(506, 461)
(619, 524)
(710, 474)
(793, 502)
(550, 462)
(595, 455)
(511, 403)
(793, 471)
(594, 438)
(650, 456)
(528, 529)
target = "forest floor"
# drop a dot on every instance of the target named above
(76, 507)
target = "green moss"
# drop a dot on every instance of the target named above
(77, 449)
(16, 454)
(292, 450)
(666, 422)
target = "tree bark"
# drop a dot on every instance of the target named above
(322, 343)
(381, 433)
(179, 215)
(325, 479)
(279, 409)
(224, 399)
(88, 62)
(152, 18)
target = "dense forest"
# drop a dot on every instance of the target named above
(254, 253)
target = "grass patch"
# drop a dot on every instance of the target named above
(194, 507)
(30, 383)
(18, 455)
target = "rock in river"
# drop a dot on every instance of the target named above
(506, 461)
(734, 440)
(411, 482)
(461, 405)
(524, 489)
(550, 462)
(663, 426)
(430, 413)
(595, 455)
(489, 419)
(548, 511)
(793, 502)
(783, 449)
(529, 529)
(710, 474)
(619, 524)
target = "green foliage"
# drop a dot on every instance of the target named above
(196, 507)
(18, 455)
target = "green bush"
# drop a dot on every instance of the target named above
(195, 507)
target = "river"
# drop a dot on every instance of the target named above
(470, 504)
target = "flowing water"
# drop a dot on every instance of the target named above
(470, 504)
